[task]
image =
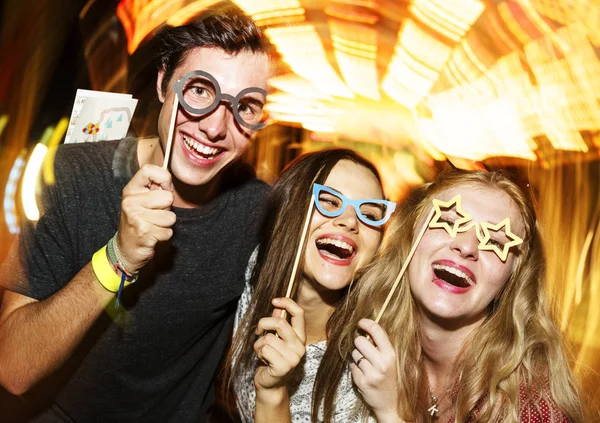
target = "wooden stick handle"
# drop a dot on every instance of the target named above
(299, 252)
(171, 130)
(405, 265)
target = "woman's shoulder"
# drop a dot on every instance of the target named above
(246, 297)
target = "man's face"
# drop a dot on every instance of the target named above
(204, 145)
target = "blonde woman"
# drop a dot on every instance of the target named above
(470, 332)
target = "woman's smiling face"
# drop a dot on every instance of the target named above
(339, 246)
(450, 277)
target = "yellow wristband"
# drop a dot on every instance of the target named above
(104, 272)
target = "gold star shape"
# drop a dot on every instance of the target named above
(456, 202)
(514, 239)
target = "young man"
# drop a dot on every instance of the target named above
(188, 232)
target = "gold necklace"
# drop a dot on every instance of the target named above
(433, 410)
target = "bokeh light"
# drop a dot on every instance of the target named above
(411, 84)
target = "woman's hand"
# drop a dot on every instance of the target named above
(281, 347)
(374, 371)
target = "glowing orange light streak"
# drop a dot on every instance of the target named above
(184, 14)
(435, 24)
(279, 14)
(541, 25)
(364, 3)
(512, 24)
(451, 19)
(351, 16)
(301, 47)
(53, 142)
(357, 46)
(498, 30)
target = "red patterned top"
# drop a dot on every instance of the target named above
(535, 410)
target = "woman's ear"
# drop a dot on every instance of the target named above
(159, 80)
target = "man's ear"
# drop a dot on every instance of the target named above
(159, 80)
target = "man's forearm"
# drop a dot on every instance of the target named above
(37, 337)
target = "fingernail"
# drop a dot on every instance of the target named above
(276, 300)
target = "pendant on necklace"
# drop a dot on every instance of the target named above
(433, 410)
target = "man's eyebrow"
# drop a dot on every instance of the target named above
(252, 99)
(254, 96)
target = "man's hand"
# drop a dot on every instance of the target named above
(146, 216)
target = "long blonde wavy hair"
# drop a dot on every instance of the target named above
(518, 344)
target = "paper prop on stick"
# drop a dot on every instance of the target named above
(331, 203)
(371, 212)
(454, 226)
(487, 243)
(100, 116)
(482, 229)
(171, 130)
(288, 291)
(199, 93)
(454, 229)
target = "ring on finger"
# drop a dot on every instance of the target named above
(359, 360)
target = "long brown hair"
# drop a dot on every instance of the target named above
(517, 346)
(286, 208)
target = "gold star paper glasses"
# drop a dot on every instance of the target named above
(482, 229)
(487, 243)
(464, 223)
(437, 222)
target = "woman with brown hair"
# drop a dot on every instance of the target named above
(273, 363)
(472, 333)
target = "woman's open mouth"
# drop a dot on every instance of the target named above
(452, 277)
(336, 250)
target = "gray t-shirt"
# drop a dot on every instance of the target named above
(154, 359)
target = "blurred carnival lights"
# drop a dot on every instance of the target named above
(451, 60)
(515, 82)
(53, 141)
(30, 176)
(512, 82)
(45, 148)
(3, 122)
(29, 182)
(10, 212)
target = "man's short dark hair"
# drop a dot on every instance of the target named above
(224, 26)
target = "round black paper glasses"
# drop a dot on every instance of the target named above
(199, 93)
